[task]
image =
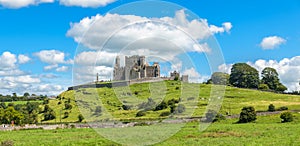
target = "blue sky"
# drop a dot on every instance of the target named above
(263, 33)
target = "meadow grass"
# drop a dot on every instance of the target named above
(266, 130)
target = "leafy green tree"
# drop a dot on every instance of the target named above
(26, 94)
(220, 78)
(49, 115)
(270, 77)
(248, 114)
(10, 114)
(244, 76)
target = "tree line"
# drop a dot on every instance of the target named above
(244, 76)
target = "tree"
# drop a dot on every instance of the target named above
(248, 114)
(244, 76)
(220, 78)
(26, 94)
(281, 88)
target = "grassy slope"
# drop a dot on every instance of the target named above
(234, 100)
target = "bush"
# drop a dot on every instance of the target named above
(271, 108)
(283, 108)
(180, 109)
(98, 110)
(161, 106)
(80, 118)
(126, 107)
(286, 117)
(248, 114)
(213, 116)
(177, 88)
(263, 87)
(68, 106)
(140, 114)
(66, 115)
(164, 114)
(49, 115)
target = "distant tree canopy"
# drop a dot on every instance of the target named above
(270, 78)
(244, 76)
(220, 78)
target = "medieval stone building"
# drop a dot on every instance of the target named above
(135, 67)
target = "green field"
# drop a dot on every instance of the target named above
(267, 130)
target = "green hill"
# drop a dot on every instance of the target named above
(113, 100)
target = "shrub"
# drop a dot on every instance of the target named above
(140, 113)
(66, 115)
(213, 116)
(161, 106)
(49, 115)
(283, 108)
(271, 108)
(126, 107)
(180, 108)
(80, 118)
(72, 126)
(164, 114)
(177, 88)
(68, 106)
(286, 117)
(248, 114)
(98, 110)
(263, 87)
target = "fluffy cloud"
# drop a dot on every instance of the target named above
(51, 56)
(272, 42)
(165, 38)
(62, 69)
(50, 67)
(48, 88)
(86, 3)
(23, 59)
(22, 3)
(98, 29)
(194, 76)
(7, 61)
(287, 68)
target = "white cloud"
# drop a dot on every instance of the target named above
(11, 72)
(46, 88)
(62, 69)
(226, 27)
(50, 67)
(22, 3)
(287, 68)
(7, 61)
(51, 56)
(23, 59)
(98, 29)
(132, 33)
(195, 76)
(272, 42)
(86, 3)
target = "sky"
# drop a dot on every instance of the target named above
(49, 45)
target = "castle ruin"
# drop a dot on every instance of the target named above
(135, 67)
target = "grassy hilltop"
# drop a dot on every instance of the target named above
(112, 100)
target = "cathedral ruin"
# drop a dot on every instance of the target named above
(135, 67)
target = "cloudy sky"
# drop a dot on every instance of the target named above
(48, 45)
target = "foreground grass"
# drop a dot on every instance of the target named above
(267, 130)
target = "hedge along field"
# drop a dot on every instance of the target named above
(234, 100)
(266, 130)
